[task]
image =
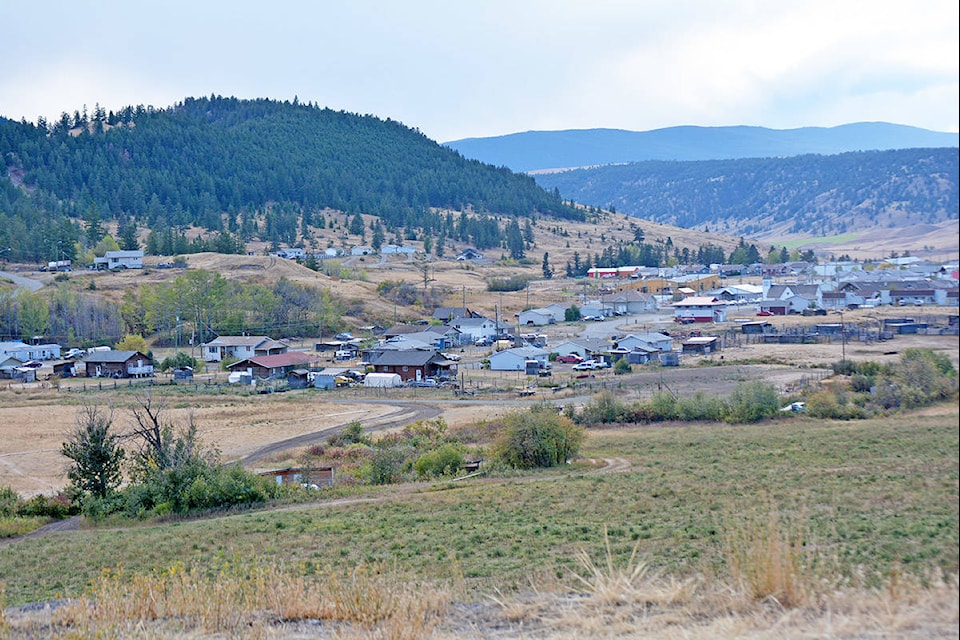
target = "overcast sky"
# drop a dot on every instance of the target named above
(456, 69)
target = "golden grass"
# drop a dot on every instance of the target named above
(246, 599)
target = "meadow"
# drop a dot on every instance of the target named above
(830, 506)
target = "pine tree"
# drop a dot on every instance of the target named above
(547, 271)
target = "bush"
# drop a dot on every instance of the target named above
(445, 461)
(179, 361)
(700, 407)
(537, 438)
(622, 367)
(603, 409)
(752, 402)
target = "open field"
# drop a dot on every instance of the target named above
(875, 502)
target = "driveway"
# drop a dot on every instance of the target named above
(21, 281)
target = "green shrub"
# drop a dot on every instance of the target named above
(444, 461)
(700, 406)
(9, 502)
(603, 409)
(533, 439)
(663, 406)
(622, 367)
(752, 402)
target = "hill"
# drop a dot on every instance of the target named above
(241, 170)
(534, 151)
(878, 201)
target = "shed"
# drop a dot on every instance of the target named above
(298, 379)
(324, 381)
(305, 476)
(704, 344)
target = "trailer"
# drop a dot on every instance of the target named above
(383, 380)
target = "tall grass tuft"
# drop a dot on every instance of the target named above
(632, 583)
(769, 559)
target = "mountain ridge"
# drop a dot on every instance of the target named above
(575, 148)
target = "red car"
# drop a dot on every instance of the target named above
(764, 313)
(570, 358)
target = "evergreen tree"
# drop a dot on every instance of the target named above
(96, 453)
(547, 271)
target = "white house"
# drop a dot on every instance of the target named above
(647, 341)
(700, 309)
(584, 347)
(473, 329)
(241, 347)
(361, 251)
(515, 359)
(544, 315)
(629, 301)
(394, 249)
(26, 352)
(120, 260)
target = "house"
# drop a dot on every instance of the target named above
(446, 314)
(586, 348)
(396, 249)
(703, 345)
(641, 355)
(362, 251)
(613, 272)
(755, 327)
(412, 364)
(469, 254)
(515, 359)
(273, 366)
(536, 318)
(740, 293)
(700, 309)
(241, 347)
(291, 253)
(332, 252)
(629, 301)
(25, 352)
(648, 341)
(120, 260)
(118, 364)
(305, 476)
(298, 378)
(475, 329)
(9, 366)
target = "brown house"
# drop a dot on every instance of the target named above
(275, 366)
(412, 364)
(118, 364)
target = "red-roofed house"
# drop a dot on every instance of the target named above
(274, 366)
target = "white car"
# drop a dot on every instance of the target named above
(451, 356)
(588, 365)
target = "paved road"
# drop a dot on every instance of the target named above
(22, 282)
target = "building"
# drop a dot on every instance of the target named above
(702, 345)
(412, 364)
(118, 364)
(273, 366)
(26, 352)
(241, 348)
(648, 341)
(700, 309)
(314, 477)
(120, 260)
(516, 359)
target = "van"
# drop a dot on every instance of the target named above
(343, 355)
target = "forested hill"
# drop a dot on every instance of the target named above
(221, 163)
(805, 195)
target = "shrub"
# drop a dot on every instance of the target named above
(444, 461)
(604, 408)
(9, 502)
(352, 433)
(752, 402)
(622, 367)
(537, 439)
(663, 406)
(512, 283)
(699, 406)
(178, 361)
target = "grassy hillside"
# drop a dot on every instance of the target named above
(855, 508)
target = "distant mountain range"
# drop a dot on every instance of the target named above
(535, 151)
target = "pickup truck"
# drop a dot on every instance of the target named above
(587, 365)
(570, 358)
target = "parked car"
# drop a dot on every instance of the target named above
(764, 313)
(451, 356)
(72, 354)
(570, 358)
(429, 383)
(601, 364)
(483, 342)
(343, 336)
(588, 365)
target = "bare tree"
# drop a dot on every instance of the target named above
(162, 443)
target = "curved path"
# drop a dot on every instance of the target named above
(22, 282)
(400, 417)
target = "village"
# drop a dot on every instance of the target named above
(627, 316)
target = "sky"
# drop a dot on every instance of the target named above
(459, 69)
